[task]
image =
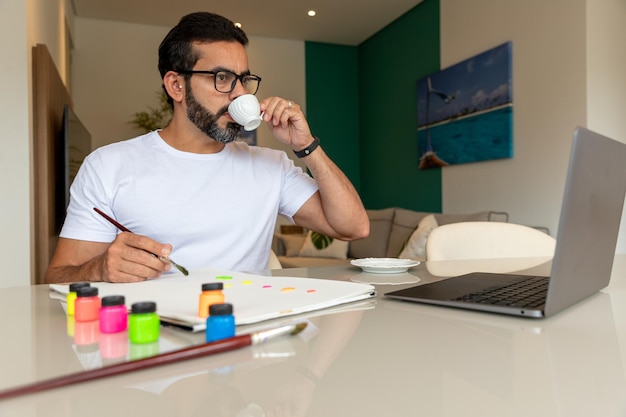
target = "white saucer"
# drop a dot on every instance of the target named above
(384, 265)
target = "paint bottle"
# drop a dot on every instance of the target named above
(113, 314)
(71, 326)
(211, 294)
(71, 296)
(221, 323)
(143, 323)
(113, 345)
(143, 350)
(87, 304)
(86, 333)
(86, 344)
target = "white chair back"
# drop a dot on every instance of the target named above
(487, 240)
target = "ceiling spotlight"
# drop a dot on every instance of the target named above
(237, 24)
(311, 13)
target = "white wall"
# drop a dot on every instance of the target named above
(114, 67)
(15, 247)
(23, 24)
(550, 75)
(115, 75)
(606, 75)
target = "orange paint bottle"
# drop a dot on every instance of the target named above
(211, 294)
(87, 304)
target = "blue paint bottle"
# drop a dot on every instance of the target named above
(221, 323)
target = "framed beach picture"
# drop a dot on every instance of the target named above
(465, 112)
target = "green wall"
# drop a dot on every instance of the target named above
(332, 103)
(379, 152)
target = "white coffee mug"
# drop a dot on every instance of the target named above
(246, 111)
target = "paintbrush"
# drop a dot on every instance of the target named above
(192, 352)
(124, 229)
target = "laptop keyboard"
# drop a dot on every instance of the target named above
(529, 292)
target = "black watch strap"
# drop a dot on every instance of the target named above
(309, 149)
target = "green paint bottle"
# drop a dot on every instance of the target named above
(143, 323)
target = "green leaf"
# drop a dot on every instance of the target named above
(321, 241)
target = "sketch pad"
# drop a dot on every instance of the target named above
(255, 298)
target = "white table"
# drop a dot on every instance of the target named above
(379, 358)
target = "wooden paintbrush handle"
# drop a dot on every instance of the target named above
(192, 352)
(111, 220)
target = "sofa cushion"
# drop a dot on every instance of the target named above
(336, 249)
(415, 248)
(291, 243)
(404, 223)
(375, 245)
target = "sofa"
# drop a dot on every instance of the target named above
(394, 232)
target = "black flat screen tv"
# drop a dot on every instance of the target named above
(73, 146)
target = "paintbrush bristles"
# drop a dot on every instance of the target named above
(265, 335)
(299, 328)
(181, 268)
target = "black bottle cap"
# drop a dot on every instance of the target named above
(87, 292)
(143, 307)
(113, 300)
(76, 285)
(224, 309)
(212, 286)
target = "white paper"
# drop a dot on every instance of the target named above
(254, 298)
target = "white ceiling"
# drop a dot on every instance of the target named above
(345, 22)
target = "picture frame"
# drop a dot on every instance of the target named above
(465, 112)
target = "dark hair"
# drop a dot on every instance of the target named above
(176, 52)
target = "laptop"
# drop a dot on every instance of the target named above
(591, 212)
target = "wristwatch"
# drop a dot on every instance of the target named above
(309, 149)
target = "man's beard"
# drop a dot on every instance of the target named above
(206, 121)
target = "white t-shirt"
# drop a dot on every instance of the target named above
(216, 210)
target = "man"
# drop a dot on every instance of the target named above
(189, 190)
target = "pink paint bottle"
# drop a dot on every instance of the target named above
(113, 314)
(113, 345)
(87, 304)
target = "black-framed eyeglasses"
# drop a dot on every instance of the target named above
(225, 81)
